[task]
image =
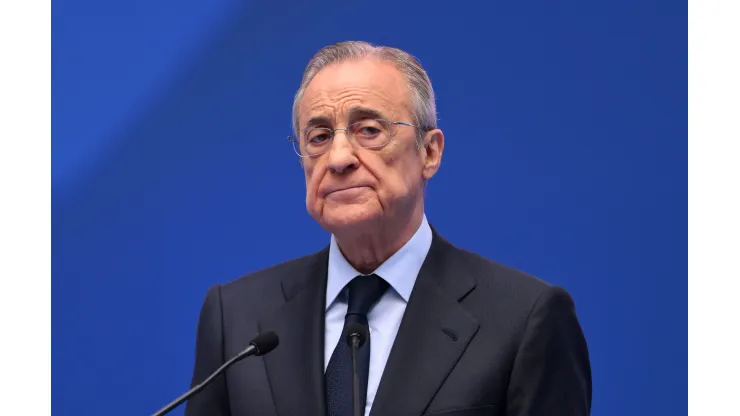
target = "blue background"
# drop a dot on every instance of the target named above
(566, 157)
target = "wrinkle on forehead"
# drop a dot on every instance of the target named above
(369, 83)
(340, 103)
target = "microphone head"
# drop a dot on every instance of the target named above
(265, 342)
(358, 331)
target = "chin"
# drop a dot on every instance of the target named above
(349, 218)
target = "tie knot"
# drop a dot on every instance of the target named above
(364, 291)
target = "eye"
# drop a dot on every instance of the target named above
(367, 129)
(318, 136)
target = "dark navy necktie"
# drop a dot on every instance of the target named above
(363, 293)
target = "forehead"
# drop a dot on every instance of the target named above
(370, 83)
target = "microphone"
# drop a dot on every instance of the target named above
(260, 345)
(356, 337)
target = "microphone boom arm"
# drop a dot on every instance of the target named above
(261, 345)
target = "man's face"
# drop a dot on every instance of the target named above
(350, 187)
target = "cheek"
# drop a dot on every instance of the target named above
(398, 175)
(313, 179)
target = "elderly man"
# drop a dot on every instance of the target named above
(450, 332)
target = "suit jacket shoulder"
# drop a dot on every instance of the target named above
(266, 288)
(511, 289)
(234, 313)
(529, 350)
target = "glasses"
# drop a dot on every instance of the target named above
(368, 134)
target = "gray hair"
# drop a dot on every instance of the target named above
(424, 109)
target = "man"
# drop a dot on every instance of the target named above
(450, 333)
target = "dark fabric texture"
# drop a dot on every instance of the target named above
(363, 293)
(477, 338)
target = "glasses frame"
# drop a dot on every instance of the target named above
(350, 137)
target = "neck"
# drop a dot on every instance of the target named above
(367, 250)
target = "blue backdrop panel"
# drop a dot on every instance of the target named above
(565, 157)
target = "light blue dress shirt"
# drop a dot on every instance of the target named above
(400, 271)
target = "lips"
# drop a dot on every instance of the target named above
(344, 188)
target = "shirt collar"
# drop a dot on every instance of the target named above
(400, 271)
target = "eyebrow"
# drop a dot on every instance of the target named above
(355, 112)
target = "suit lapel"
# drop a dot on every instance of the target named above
(295, 368)
(434, 332)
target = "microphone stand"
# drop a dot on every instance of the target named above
(355, 378)
(357, 334)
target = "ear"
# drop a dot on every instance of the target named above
(434, 144)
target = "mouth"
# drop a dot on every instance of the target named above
(349, 188)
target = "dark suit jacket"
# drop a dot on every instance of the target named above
(477, 338)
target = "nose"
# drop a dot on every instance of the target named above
(342, 157)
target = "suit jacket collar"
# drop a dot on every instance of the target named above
(295, 368)
(434, 332)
